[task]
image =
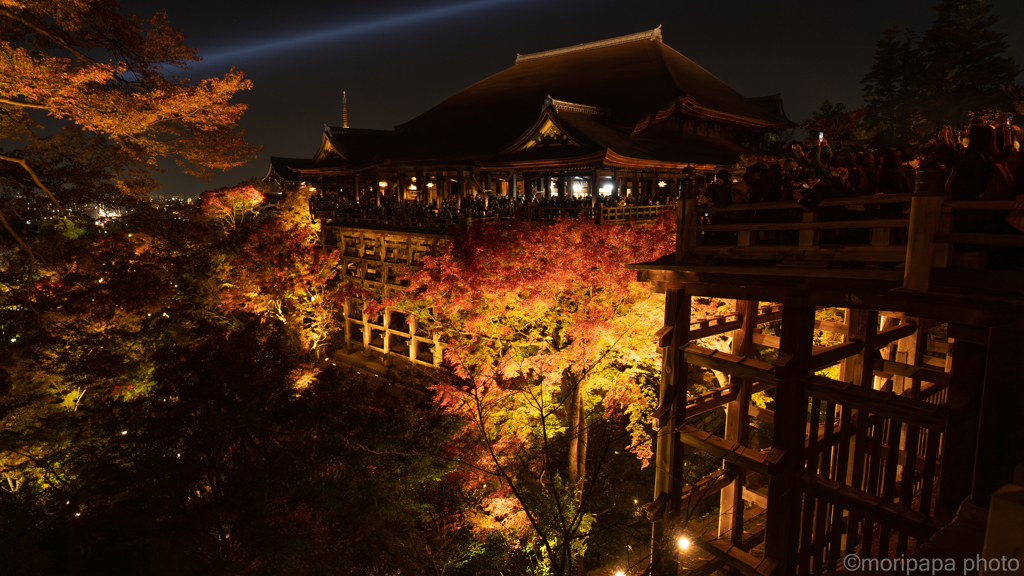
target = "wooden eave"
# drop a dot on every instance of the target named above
(689, 106)
(546, 118)
(326, 149)
(604, 158)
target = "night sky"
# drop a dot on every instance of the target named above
(396, 59)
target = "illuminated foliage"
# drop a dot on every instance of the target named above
(549, 339)
(105, 78)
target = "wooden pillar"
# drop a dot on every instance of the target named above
(1000, 434)
(594, 183)
(925, 214)
(380, 190)
(636, 185)
(413, 324)
(347, 309)
(686, 219)
(513, 185)
(387, 319)
(784, 497)
(737, 427)
(460, 185)
(960, 441)
(668, 457)
(355, 185)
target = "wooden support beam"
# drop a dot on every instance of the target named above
(730, 363)
(732, 452)
(773, 316)
(880, 510)
(1000, 434)
(708, 401)
(830, 326)
(735, 557)
(835, 354)
(737, 426)
(762, 413)
(715, 329)
(706, 487)
(774, 341)
(668, 461)
(755, 498)
(908, 371)
(783, 516)
(885, 404)
(892, 334)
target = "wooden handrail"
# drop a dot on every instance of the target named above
(819, 225)
(981, 204)
(789, 205)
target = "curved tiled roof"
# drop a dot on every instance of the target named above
(634, 79)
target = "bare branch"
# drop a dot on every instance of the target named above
(21, 162)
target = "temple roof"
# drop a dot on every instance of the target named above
(352, 145)
(633, 77)
(631, 99)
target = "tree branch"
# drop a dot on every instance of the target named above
(23, 104)
(21, 162)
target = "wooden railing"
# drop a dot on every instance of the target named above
(787, 232)
(337, 213)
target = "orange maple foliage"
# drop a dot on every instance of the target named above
(549, 337)
(85, 64)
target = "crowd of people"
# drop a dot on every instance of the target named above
(981, 162)
(474, 206)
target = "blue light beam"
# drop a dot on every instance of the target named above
(349, 31)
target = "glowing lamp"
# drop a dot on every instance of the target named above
(412, 187)
(620, 573)
(662, 184)
(430, 184)
(382, 184)
(577, 187)
(606, 190)
(684, 543)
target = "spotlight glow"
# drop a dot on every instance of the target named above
(376, 24)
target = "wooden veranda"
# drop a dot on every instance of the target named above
(921, 413)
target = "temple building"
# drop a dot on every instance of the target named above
(624, 115)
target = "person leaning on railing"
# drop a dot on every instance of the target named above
(982, 164)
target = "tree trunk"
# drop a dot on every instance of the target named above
(572, 418)
(576, 418)
(581, 435)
